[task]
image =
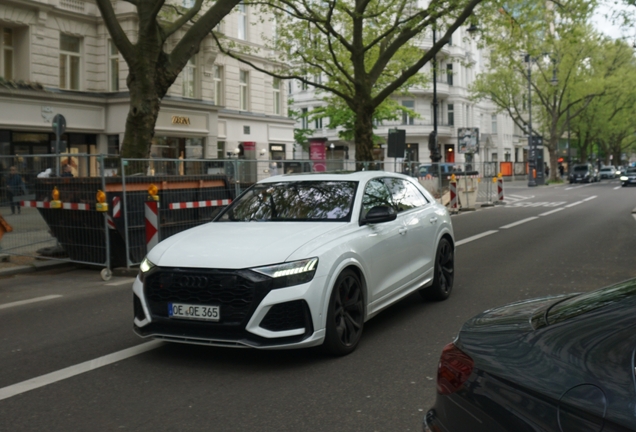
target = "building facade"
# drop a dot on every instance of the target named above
(56, 57)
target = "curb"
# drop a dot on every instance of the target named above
(126, 272)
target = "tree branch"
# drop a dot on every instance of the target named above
(117, 34)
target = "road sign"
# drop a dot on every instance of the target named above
(59, 124)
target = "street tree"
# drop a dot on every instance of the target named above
(357, 51)
(152, 68)
(555, 51)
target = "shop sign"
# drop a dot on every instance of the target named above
(276, 148)
(181, 120)
(318, 154)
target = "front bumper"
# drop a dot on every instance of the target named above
(252, 313)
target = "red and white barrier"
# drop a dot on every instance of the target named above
(500, 190)
(454, 205)
(47, 204)
(151, 212)
(116, 207)
(199, 204)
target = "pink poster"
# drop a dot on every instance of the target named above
(318, 154)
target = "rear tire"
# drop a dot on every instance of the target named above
(444, 273)
(345, 316)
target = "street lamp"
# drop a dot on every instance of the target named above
(432, 139)
(331, 147)
(532, 157)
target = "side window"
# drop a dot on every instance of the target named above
(375, 194)
(404, 194)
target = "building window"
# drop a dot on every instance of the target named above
(113, 66)
(494, 123)
(7, 54)
(220, 150)
(303, 85)
(451, 115)
(242, 21)
(189, 74)
(243, 90)
(318, 123)
(276, 95)
(218, 84)
(113, 145)
(69, 62)
(449, 73)
(303, 118)
(407, 119)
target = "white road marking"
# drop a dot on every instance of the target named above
(634, 216)
(618, 187)
(121, 282)
(590, 198)
(552, 211)
(33, 300)
(475, 237)
(574, 204)
(522, 221)
(62, 374)
(576, 187)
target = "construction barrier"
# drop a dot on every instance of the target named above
(500, 190)
(152, 224)
(454, 205)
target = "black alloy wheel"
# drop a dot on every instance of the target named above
(345, 317)
(444, 273)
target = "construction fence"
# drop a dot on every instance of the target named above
(96, 209)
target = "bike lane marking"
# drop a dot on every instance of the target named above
(33, 300)
(71, 371)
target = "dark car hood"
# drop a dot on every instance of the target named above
(515, 317)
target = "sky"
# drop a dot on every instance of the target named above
(613, 30)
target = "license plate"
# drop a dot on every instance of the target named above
(194, 312)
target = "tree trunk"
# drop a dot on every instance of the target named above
(142, 116)
(363, 133)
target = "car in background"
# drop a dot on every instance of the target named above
(608, 172)
(297, 260)
(629, 177)
(434, 170)
(563, 363)
(583, 173)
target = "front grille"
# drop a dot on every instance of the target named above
(230, 290)
(286, 316)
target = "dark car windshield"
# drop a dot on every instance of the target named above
(575, 306)
(293, 201)
(580, 167)
(631, 170)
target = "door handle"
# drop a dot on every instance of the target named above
(402, 231)
(433, 219)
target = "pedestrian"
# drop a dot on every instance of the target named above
(547, 169)
(561, 170)
(15, 187)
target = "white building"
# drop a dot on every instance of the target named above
(458, 64)
(56, 57)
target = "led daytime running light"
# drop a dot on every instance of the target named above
(291, 271)
(145, 265)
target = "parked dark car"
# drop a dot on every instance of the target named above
(583, 173)
(561, 363)
(629, 177)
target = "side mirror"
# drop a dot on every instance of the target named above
(379, 214)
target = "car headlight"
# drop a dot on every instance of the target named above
(291, 273)
(624, 178)
(145, 266)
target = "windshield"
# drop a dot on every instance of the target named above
(631, 170)
(580, 168)
(606, 169)
(583, 303)
(296, 201)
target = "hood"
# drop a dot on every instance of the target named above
(236, 245)
(520, 316)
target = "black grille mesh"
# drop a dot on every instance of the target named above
(233, 293)
(285, 316)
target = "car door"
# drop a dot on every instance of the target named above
(420, 227)
(381, 246)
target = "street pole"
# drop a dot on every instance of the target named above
(532, 161)
(433, 146)
(568, 146)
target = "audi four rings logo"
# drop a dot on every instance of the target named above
(193, 281)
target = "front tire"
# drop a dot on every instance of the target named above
(444, 273)
(345, 317)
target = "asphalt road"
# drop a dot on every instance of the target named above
(57, 371)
